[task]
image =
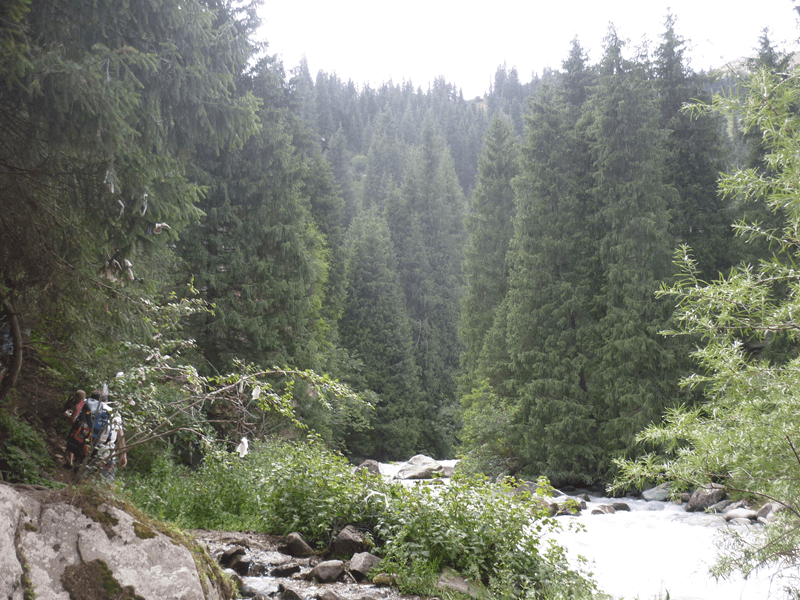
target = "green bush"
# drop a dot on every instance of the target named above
(474, 527)
(485, 532)
(23, 454)
(279, 487)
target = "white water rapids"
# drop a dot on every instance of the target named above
(657, 551)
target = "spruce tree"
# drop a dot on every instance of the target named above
(427, 227)
(375, 329)
(258, 254)
(100, 121)
(553, 268)
(693, 160)
(631, 377)
(489, 225)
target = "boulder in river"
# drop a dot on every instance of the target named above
(372, 466)
(362, 563)
(705, 496)
(296, 546)
(660, 493)
(769, 511)
(603, 509)
(420, 467)
(741, 513)
(327, 571)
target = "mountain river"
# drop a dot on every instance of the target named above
(657, 551)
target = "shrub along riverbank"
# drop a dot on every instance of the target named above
(471, 525)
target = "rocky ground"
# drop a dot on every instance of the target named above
(274, 574)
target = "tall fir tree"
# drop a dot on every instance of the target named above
(427, 226)
(99, 126)
(376, 329)
(553, 268)
(632, 376)
(694, 158)
(258, 255)
(490, 225)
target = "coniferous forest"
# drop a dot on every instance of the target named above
(588, 276)
(482, 272)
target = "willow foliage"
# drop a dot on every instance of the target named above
(745, 434)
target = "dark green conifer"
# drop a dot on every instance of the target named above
(427, 226)
(258, 255)
(375, 328)
(631, 377)
(490, 225)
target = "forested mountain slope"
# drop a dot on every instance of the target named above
(481, 272)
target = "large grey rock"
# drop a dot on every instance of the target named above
(373, 466)
(362, 563)
(741, 513)
(660, 493)
(722, 506)
(705, 496)
(236, 558)
(348, 541)
(604, 509)
(770, 511)
(154, 567)
(16, 511)
(296, 546)
(420, 467)
(327, 571)
(52, 537)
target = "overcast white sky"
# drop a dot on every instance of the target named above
(373, 41)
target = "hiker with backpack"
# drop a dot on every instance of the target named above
(95, 434)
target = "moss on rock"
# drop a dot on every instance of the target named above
(94, 581)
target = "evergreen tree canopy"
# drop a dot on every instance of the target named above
(632, 378)
(100, 116)
(257, 255)
(375, 327)
(553, 263)
(490, 225)
(427, 228)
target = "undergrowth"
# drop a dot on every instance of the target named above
(482, 530)
(23, 454)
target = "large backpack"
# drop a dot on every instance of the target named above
(99, 417)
